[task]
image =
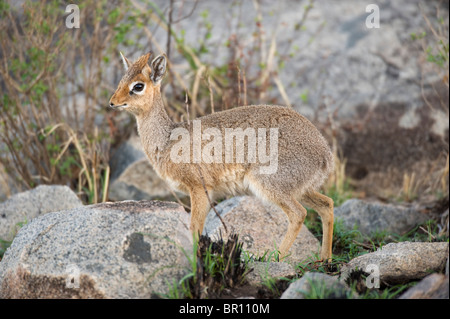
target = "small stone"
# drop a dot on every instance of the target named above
(265, 270)
(375, 217)
(398, 263)
(434, 286)
(318, 286)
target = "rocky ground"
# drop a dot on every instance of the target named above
(139, 249)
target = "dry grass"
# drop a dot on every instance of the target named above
(420, 184)
(54, 87)
(338, 184)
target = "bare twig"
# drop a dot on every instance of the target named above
(209, 199)
(211, 95)
(169, 29)
(187, 15)
(427, 232)
(245, 87)
(281, 89)
(186, 104)
(106, 184)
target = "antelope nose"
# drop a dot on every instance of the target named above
(111, 104)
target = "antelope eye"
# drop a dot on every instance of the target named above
(138, 87)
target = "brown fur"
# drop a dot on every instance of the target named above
(304, 157)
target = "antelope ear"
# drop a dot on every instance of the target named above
(158, 67)
(126, 62)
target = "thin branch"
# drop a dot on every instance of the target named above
(186, 103)
(239, 85)
(245, 87)
(209, 199)
(211, 95)
(169, 29)
(188, 15)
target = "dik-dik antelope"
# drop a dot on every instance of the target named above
(304, 159)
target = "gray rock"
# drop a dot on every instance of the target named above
(111, 250)
(125, 155)
(434, 286)
(261, 228)
(372, 217)
(132, 176)
(318, 286)
(23, 207)
(139, 182)
(401, 262)
(262, 271)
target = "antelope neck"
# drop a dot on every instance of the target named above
(154, 126)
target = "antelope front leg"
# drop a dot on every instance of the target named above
(199, 210)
